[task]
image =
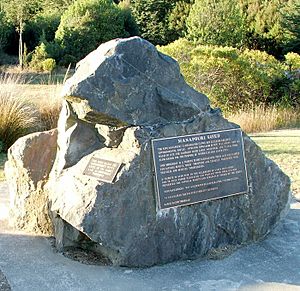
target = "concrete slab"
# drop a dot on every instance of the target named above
(31, 263)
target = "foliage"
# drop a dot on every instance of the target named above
(233, 79)
(178, 16)
(5, 30)
(291, 26)
(41, 60)
(88, 23)
(19, 12)
(265, 24)
(152, 17)
(130, 24)
(217, 22)
(41, 27)
(286, 90)
(293, 61)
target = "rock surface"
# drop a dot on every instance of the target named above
(122, 96)
(30, 160)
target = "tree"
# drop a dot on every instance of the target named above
(5, 30)
(178, 16)
(19, 12)
(217, 22)
(152, 17)
(265, 24)
(291, 26)
(88, 23)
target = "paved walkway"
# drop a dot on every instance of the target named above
(30, 263)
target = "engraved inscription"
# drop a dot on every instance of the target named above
(199, 167)
(101, 169)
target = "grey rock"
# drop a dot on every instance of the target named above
(122, 96)
(4, 285)
(30, 160)
(129, 82)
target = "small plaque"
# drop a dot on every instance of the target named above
(103, 170)
(195, 168)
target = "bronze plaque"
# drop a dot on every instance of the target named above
(103, 170)
(195, 168)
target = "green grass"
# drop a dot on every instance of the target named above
(283, 147)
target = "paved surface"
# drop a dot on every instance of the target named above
(30, 263)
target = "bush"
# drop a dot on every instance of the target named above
(48, 65)
(293, 61)
(232, 79)
(40, 60)
(88, 23)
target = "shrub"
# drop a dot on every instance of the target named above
(40, 60)
(293, 61)
(18, 115)
(88, 23)
(233, 79)
(48, 65)
(286, 90)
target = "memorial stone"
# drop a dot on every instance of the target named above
(126, 104)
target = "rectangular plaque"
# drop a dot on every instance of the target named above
(195, 168)
(101, 169)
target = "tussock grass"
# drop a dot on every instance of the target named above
(49, 105)
(260, 119)
(26, 107)
(18, 115)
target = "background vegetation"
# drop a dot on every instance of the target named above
(244, 54)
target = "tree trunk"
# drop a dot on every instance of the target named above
(21, 44)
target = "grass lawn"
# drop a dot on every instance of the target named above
(283, 147)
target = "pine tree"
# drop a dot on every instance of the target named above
(217, 22)
(291, 25)
(152, 19)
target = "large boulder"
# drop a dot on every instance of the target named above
(122, 96)
(30, 160)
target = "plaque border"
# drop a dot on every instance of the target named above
(104, 180)
(212, 199)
